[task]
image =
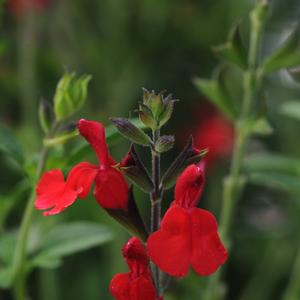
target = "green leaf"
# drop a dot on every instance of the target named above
(10, 146)
(272, 162)
(287, 183)
(69, 238)
(5, 278)
(216, 92)
(291, 109)
(287, 56)
(233, 50)
(259, 126)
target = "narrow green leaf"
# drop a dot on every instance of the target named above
(216, 92)
(272, 162)
(233, 50)
(287, 56)
(287, 183)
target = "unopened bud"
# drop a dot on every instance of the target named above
(131, 132)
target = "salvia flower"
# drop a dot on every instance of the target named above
(111, 190)
(137, 284)
(215, 133)
(188, 235)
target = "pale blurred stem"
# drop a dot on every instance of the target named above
(19, 262)
(293, 289)
(156, 195)
(26, 65)
(232, 185)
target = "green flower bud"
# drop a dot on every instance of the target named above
(70, 95)
(156, 110)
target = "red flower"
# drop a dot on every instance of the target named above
(111, 190)
(215, 133)
(188, 235)
(137, 284)
(21, 7)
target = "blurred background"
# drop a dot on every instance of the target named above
(126, 45)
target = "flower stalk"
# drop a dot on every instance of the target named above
(19, 263)
(155, 195)
(234, 182)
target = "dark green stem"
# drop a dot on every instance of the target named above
(156, 195)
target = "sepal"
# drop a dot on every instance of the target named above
(131, 132)
(164, 143)
(133, 168)
(187, 156)
(130, 218)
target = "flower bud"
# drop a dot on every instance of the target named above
(156, 110)
(71, 93)
(164, 143)
(130, 131)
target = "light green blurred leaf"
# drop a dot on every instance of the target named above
(287, 56)
(291, 109)
(5, 278)
(272, 162)
(233, 50)
(67, 239)
(261, 126)
(10, 146)
(287, 183)
(216, 92)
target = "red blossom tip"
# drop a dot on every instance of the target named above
(189, 185)
(134, 250)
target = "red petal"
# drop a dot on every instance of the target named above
(111, 189)
(170, 247)
(52, 192)
(120, 287)
(208, 251)
(94, 133)
(142, 288)
(81, 178)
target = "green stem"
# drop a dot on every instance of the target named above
(233, 183)
(156, 195)
(19, 263)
